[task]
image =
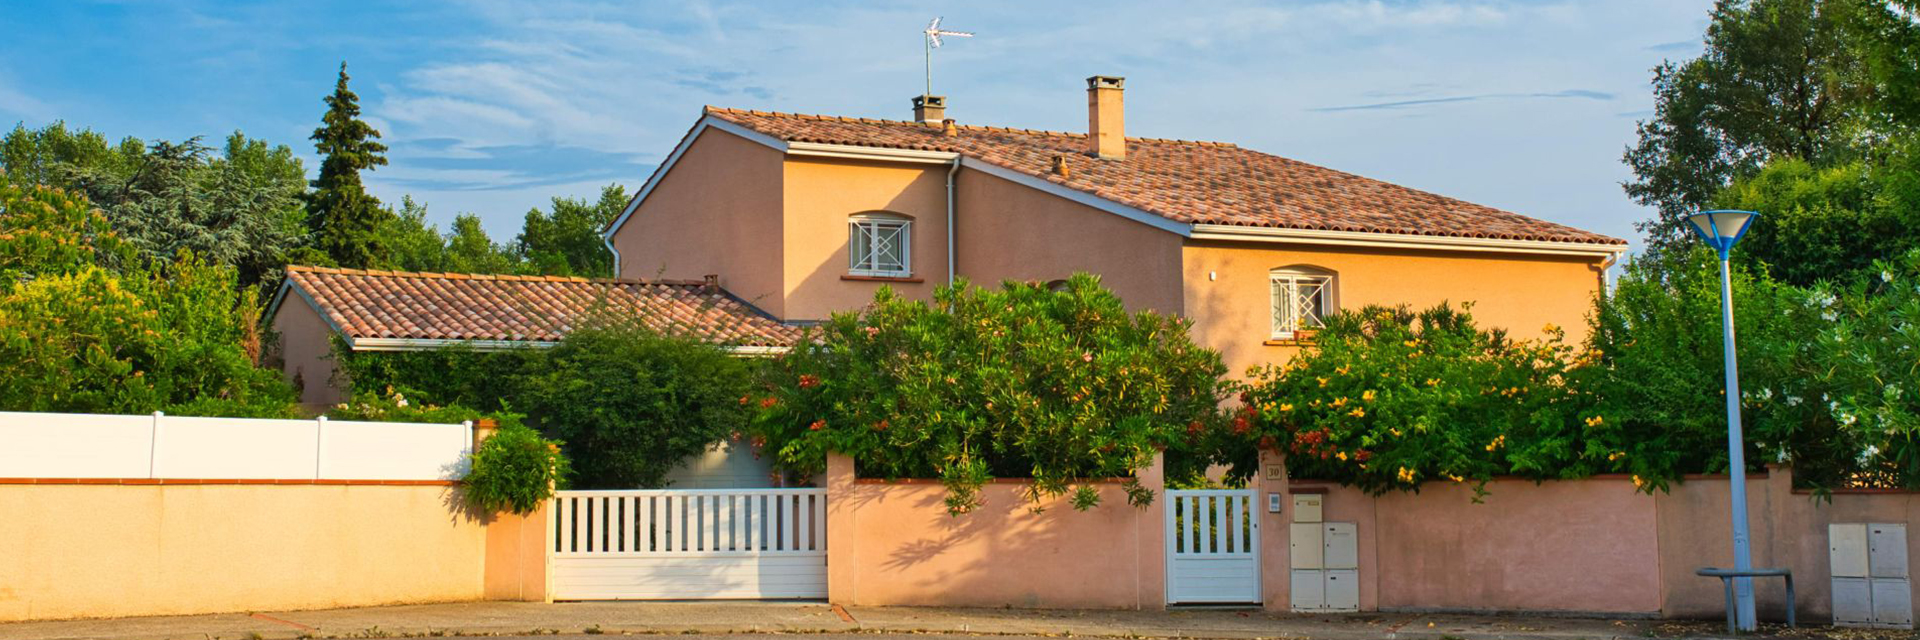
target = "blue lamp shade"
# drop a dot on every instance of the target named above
(1721, 229)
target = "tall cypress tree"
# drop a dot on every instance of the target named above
(341, 213)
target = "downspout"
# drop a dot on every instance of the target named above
(950, 171)
(608, 240)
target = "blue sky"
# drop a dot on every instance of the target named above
(495, 107)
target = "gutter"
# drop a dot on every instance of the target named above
(1608, 252)
(608, 240)
(950, 171)
(426, 344)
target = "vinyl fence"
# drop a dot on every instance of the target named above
(157, 446)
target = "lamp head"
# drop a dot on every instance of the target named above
(1721, 229)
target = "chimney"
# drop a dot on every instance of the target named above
(1106, 118)
(930, 109)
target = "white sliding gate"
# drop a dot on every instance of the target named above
(689, 544)
(1213, 547)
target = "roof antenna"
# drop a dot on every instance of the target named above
(933, 42)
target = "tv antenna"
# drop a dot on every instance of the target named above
(934, 32)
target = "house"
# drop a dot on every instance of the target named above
(365, 310)
(806, 215)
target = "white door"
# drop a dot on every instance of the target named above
(1213, 547)
(689, 544)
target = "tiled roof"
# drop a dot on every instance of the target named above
(457, 306)
(1192, 182)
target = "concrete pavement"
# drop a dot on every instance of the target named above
(701, 618)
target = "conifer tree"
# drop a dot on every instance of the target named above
(342, 215)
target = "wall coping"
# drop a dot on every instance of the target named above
(226, 481)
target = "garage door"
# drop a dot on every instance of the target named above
(690, 544)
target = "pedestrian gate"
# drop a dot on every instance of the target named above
(1213, 547)
(689, 544)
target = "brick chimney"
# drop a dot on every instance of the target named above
(1106, 118)
(930, 109)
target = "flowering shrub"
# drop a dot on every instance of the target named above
(1842, 401)
(1017, 382)
(1390, 399)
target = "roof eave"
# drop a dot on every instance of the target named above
(1374, 239)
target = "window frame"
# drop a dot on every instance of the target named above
(1293, 278)
(868, 266)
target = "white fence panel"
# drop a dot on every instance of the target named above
(394, 450)
(61, 445)
(685, 544)
(234, 448)
(75, 445)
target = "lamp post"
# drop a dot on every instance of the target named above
(1721, 230)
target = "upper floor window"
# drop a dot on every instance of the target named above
(1301, 300)
(880, 245)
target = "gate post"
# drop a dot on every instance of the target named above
(843, 545)
(1276, 576)
(1151, 530)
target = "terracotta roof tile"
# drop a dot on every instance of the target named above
(459, 306)
(1186, 181)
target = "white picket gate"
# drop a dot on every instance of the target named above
(689, 544)
(1213, 546)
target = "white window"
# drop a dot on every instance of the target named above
(1301, 299)
(879, 245)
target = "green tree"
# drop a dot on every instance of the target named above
(470, 250)
(240, 207)
(342, 215)
(1829, 223)
(410, 242)
(46, 231)
(567, 241)
(182, 338)
(1019, 381)
(1778, 79)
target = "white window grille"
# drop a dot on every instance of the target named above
(1300, 301)
(880, 246)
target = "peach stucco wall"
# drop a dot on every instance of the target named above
(895, 544)
(1567, 546)
(821, 194)
(118, 550)
(1788, 529)
(1008, 231)
(1228, 297)
(716, 212)
(306, 349)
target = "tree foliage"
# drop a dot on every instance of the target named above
(1016, 382)
(567, 241)
(46, 231)
(515, 471)
(1778, 79)
(340, 212)
(240, 207)
(180, 338)
(1829, 223)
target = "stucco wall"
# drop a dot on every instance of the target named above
(306, 351)
(1228, 296)
(821, 194)
(119, 550)
(1567, 546)
(1787, 529)
(716, 212)
(1008, 231)
(895, 544)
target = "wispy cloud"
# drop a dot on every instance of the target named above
(1675, 46)
(18, 104)
(1585, 94)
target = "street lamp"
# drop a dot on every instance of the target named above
(1721, 229)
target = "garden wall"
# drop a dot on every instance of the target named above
(88, 534)
(895, 544)
(1580, 546)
